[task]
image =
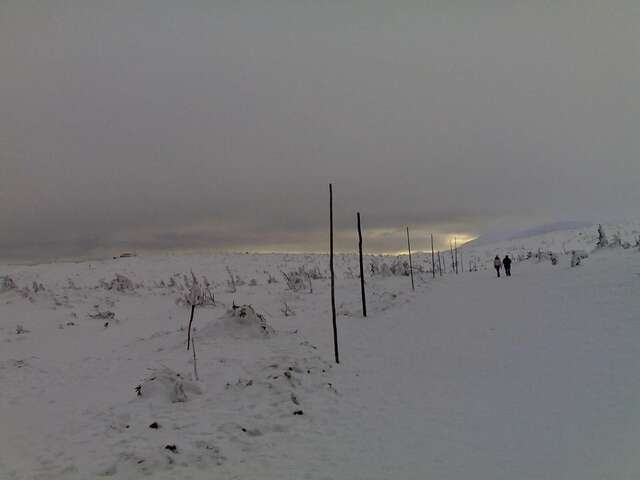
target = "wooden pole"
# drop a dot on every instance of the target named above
(333, 293)
(439, 263)
(410, 263)
(193, 307)
(455, 243)
(364, 303)
(433, 258)
(453, 263)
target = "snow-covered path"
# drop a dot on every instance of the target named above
(532, 377)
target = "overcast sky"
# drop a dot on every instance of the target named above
(134, 124)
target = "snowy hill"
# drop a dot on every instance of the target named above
(534, 376)
(507, 235)
(560, 240)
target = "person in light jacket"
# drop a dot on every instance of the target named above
(497, 263)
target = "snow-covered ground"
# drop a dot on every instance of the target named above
(530, 377)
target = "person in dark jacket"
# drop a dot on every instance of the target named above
(506, 261)
(497, 265)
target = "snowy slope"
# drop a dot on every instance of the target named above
(560, 242)
(506, 235)
(467, 377)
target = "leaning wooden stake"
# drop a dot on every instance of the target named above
(410, 263)
(439, 263)
(193, 307)
(333, 294)
(433, 259)
(364, 303)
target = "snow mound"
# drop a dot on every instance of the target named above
(167, 385)
(239, 322)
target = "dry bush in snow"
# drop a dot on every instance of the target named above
(398, 268)
(120, 283)
(616, 240)
(270, 278)
(296, 280)
(602, 238)
(7, 283)
(287, 311)
(198, 294)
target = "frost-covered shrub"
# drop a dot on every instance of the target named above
(270, 278)
(575, 259)
(296, 280)
(286, 310)
(105, 315)
(20, 330)
(616, 241)
(541, 256)
(577, 256)
(196, 293)
(313, 273)
(398, 268)
(602, 238)
(300, 279)
(119, 283)
(379, 268)
(7, 283)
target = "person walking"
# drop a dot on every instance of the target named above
(507, 265)
(497, 264)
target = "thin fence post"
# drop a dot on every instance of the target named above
(439, 263)
(453, 263)
(333, 294)
(455, 242)
(193, 307)
(410, 263)
(433, 259)
(364, 302)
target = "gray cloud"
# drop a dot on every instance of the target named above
(146, 124)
